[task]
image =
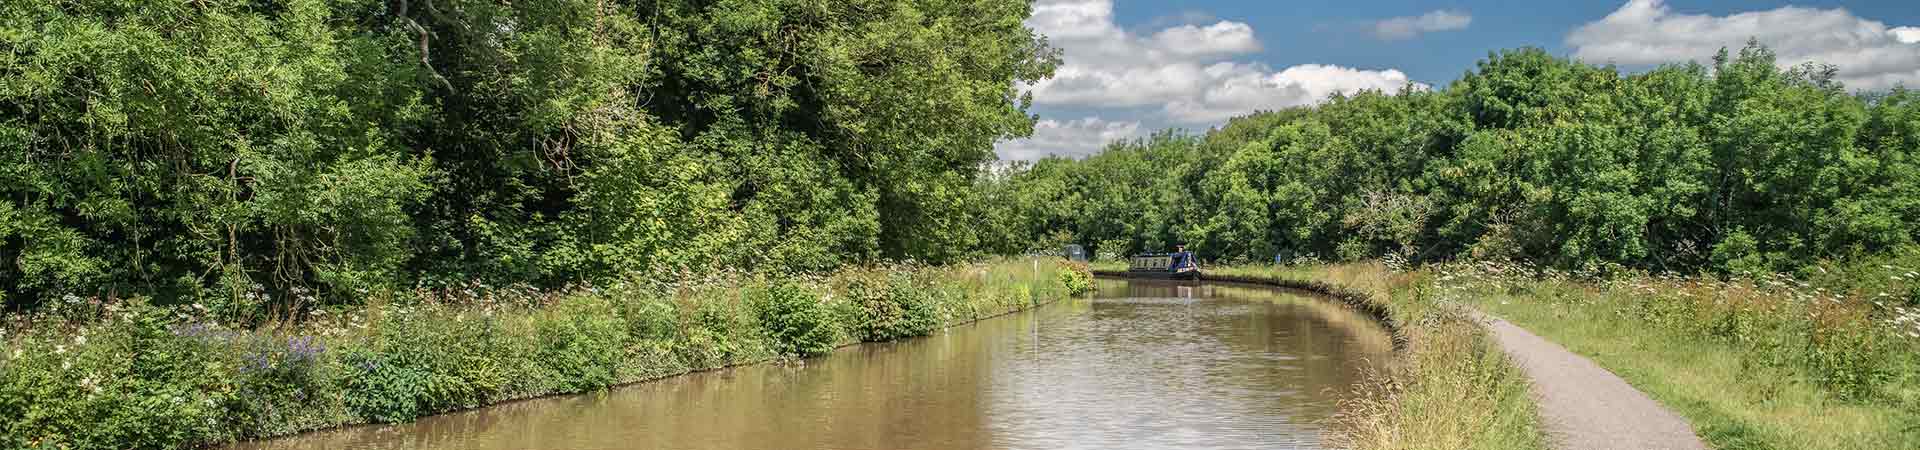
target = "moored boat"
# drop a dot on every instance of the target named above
(1171, 266)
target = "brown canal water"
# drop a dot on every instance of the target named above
(1138, 365)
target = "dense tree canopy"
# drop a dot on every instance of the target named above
(318, 148)
(236, 152)
(1741, 166)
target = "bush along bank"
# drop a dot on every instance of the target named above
(1763, 362)
(125, 374)
(1452, 387)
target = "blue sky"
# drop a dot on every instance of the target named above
(1134, 66)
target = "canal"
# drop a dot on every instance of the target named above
(1139, 364)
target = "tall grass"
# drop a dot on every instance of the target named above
(1759, 362)
(1453, 387)
(1767, 362)
(95, 373)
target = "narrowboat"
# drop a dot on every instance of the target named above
(1169, 266)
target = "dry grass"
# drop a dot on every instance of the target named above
(1457, 391)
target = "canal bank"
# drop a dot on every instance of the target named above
(1582, 406)
(1134, 365)
(127, 375)
(1451, 387)
(1365, 303)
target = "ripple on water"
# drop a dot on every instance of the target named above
(1143, 365)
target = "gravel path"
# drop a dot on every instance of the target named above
(1585, 407)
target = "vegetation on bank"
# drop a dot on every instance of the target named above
(99, 374)
(1786, 208)
(1740, 166)
(1754, 363)
(228, 219)
(253, 154)
(1452, 387)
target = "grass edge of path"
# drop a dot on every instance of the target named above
(1451, 386)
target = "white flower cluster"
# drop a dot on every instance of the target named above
(1906, 321)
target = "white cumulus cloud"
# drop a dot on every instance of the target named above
(1243, 88)
(1073, 138)
(1222, 38)
(1869, 54)
(1906, 35)
(1190, 74)
(1400, 28)
(1185, 70)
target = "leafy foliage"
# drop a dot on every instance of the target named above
(800, 323)
(1076, 276)
(1741, 167)
(95, 374)
(201, 151)
(891, 306)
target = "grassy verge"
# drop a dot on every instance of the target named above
(1453, 387)
(122, 374)
(1753, 364)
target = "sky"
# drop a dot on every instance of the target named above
(1132, 67)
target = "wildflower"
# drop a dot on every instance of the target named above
(304, 348)
(80, 340)
(59, 349)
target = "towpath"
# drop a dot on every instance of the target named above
(1586, 407)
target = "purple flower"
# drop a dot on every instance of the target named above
(255, 362)
(304, 349)
(195, 330)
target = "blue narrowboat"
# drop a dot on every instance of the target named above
(1179, 265)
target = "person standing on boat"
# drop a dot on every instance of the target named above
(1182, 259)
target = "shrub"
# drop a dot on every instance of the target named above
(278, 379)
(717, 331)
(796, 320)
(1077, 277)
(126, 382)
(891, 306)
(382, 387)
(423, 360)
(1111, 249)
(88, 378)
(921, 314)
(582, 340)
(1852, 361)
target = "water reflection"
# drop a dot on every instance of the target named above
(1139, 365)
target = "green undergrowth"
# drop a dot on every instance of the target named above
(1765, 363)
(1452, 387)
(94, 374)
